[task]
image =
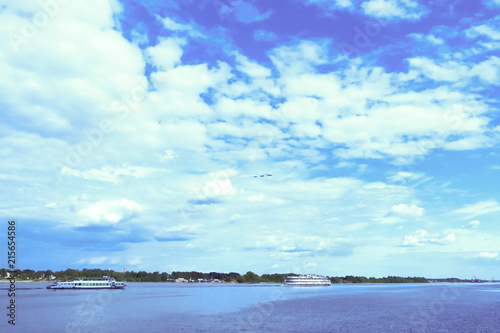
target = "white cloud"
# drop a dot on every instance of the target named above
(403, 209)
(172, 25)
(296, 244)
(394, 9)
(374, 115)
(108, 212)
(446, 71)
(429, 38)
(404, 176)
(139, 35)
(453, 71)
(488, 70)
(299, 58)
(166, 54)
(484, 30)
(109, 174)
(292, 117)
(216, 187)
(435, 40)
(411, 241)
(65, 73)
(333, 4)
(167, 155)
(488, 255)
(473, 224)
(251, 68)
(422, 237)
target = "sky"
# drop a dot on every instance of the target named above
(338, 137)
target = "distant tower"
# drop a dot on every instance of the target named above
(123, 269)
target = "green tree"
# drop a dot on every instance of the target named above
(251, 277)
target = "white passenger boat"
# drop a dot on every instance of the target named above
(308, 280)
(105, 282)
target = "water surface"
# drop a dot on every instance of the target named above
(170, 307)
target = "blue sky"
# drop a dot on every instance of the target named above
(132, 132)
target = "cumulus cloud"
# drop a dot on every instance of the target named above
(399, 213)
(421, 237)
(453, 71)
(216, 187)
(403, 209)
(83, 78)
(483, 30)
(166, 54)
(108, 212)
(305, 113)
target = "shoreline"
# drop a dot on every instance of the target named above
(24, 281)
(262, 283)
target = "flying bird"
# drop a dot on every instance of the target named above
(262, 176)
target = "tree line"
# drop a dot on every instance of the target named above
(248, 277)
(143, 276)
(389, 279)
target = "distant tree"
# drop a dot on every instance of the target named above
(232, 276)
(251, 277)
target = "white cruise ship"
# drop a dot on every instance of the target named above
(309, 280)
(105, 282)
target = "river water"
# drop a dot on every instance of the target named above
(173, 307)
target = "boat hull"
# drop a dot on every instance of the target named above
(306, 284)
(88, 283)
(309, 280)
(80, 287)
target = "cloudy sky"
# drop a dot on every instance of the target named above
(134, 135)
